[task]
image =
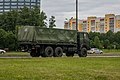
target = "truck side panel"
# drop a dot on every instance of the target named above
(46, 35)
(25, 34)
(55, 35)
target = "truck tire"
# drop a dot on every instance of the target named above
(37, 54)
(58, 52)
(69, 54)
(48, 51)
(83, 52)
(34, 54)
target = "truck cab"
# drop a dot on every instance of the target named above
(83, 44)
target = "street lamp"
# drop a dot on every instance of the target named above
(78, 36)
(77, 15)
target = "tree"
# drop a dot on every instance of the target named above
(52, 22)
(7, 40)
(2, 38)
(42, 19)
(9, 21)
(34, 16)
(23, 17)
(106, 43)
(11, 41)
(110, 36)
(117, 37)
(97, 42)
(92, 43)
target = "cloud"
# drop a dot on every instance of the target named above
(62, 9)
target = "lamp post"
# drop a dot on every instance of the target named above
(78, 36)
(77, 15)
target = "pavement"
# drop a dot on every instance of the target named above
(89, 55)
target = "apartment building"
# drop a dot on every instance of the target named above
(97, 24)
(109, 22)
(8, 5)
(117, 23)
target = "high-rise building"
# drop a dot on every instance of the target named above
(117, 23)
(96, 24)
(71, 24)
(8, 5)
(82, 26)
(101, 25)
(91, 24)
(109, 22)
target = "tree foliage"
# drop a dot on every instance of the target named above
(52, 22)
(97, 42)
(7, 40)
(25, 16)
(107, 40)
(10, 20)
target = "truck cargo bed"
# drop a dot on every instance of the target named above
(40, 35)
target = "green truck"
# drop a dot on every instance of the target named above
(50, 42)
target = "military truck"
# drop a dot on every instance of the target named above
(48, 42)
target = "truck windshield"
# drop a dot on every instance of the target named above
(85, 36)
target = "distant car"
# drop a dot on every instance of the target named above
(2, 51)
(95, 51)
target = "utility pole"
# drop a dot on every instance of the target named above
(77, 15)
(78, 36)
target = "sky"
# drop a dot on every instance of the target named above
(63, 9)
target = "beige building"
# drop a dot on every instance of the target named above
(66, 25)
(109, 22)
(91, 25)
(71, 24)
(96, 24)
(117, 23)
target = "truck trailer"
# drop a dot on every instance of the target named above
(51, 42)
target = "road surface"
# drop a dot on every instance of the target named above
(89, 55)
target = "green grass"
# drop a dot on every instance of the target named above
(60, 69)
(9, 54)
(111, 50)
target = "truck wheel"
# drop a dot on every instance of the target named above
(48, 51)
(69, 54)
(32, 54)
(83, 52)
(58, 52)
(37, 54)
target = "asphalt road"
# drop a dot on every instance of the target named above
(89, 55)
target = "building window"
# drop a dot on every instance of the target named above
(21, 0)
(13, 6)
(20, 3)
(33, 0)
(1, 0)
(13, 3)
(6, 6)
(1, 6)
(1, 3)
(6, 3)
(17, 4)
(7, 0)
(33, 4)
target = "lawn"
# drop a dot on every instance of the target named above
(60, 69)
(15, 54)
(111, 50)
